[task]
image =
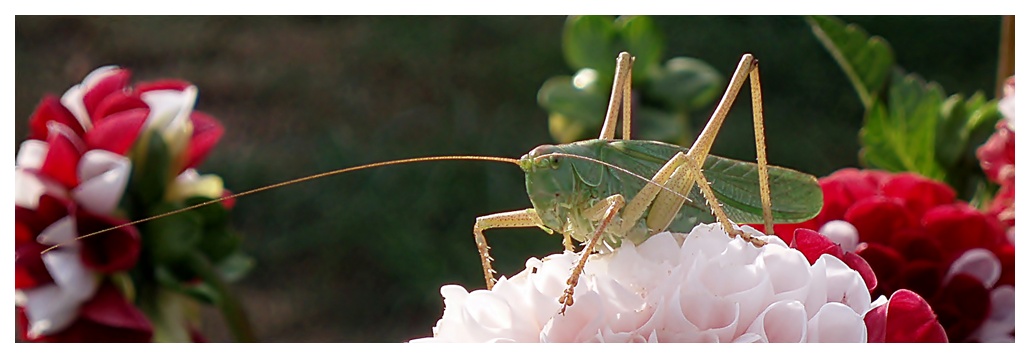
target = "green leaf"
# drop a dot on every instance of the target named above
(686, 84)
(197, 289)
(151, 162)
(219, 242)
(952, 137)
(574, 112)
(866, 60)
(174, 237)
(235, 267)
(589, 42)
(645, 41)
(901, 136)
(656, 124)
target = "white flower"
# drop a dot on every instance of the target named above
(700, 287)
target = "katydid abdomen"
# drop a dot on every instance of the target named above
(561, 185)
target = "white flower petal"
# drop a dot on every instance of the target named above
(104, 176)
(170, 115)
(842, 233)
(1000, 325)
(845, 285)
(27, 189)
(979, 263)
(714, 289)
(62, 231)
(72, 99)
(782, 321)
(31, 154)
(49, 309)
(836, 323)
(66, 268)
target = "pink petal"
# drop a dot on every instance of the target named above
(113, 251)
(165, 84)
(206, 133)
(814, 245)
(117, 319)
(116, 103)
(918, 193)
(62, 156)
(857, 263)
(113, 82)
(118, 132)
(907, 318)
(960, 227)
(29, 270)
(51, 109)
(962, 305)
(877, 218)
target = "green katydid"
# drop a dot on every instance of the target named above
(598, 190)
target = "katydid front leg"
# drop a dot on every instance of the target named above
(603, 212)
(518, 218)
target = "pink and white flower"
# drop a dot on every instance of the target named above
(700, 287)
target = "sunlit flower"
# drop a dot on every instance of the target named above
(700, 287)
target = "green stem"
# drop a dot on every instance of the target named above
(231, 309)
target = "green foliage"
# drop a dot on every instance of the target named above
(910, 124)
(663, 96)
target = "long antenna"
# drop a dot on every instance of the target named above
(290, 182)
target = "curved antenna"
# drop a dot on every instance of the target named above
(290, 182)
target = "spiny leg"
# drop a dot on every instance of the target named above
(518, 218)
(763, 162)
(610, 206)
(621, 95)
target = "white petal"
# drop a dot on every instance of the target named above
(782, 321)
(845, 285)
(72, 99)
(836, 323)
(49, 309)
(27, 189)
(842, 233)
(979, 263)
(68, 272)
(1000, 326)
(104, 176)
(578, 323)
(31, 154)
(62, 231)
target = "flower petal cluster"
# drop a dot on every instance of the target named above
(917, 237)
(72, 177)
(700, 287)
(998, 159)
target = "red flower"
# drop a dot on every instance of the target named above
(106, 317)
(905, 318)
(912, 233)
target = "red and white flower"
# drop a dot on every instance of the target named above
(917, 237)
(70, 176)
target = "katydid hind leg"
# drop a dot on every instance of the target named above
(619, 98)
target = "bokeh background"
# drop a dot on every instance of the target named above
(361, 257)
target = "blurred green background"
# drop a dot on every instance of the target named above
(361, 257)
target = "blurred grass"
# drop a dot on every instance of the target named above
(361, 257)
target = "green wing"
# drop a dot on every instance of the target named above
(796, 196)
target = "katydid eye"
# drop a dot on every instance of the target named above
(554, 163)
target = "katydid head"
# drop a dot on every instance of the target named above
(549, 182)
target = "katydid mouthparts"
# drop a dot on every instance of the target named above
(611, 191)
